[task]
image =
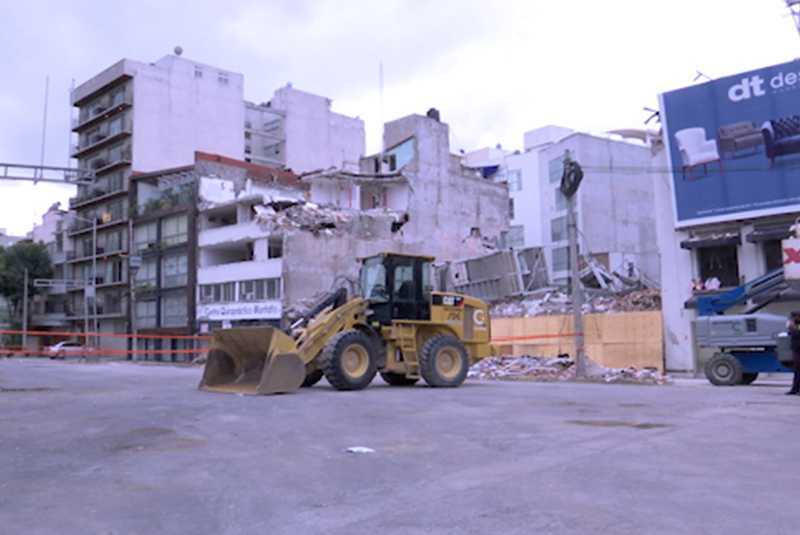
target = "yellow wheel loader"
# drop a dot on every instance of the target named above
(399, 328)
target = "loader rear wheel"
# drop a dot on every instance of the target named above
(724, 370)
(398, 379)
(443, 361)
(312, 378)
(348, 360)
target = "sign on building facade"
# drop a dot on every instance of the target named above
(268, 310)
(734, 145)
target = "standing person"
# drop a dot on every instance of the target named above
(794, 333)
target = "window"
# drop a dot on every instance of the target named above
(209, 293)
(558, 229)
(515, 236)
(146, 236)
(404, 283)
(198, 72)
(721, 262)
(173, 311)
(173, 271)
(222, 78)
(217, 293)
(173, 230)
(514, 179)
(555, 168)
(86, 247)
(117, 97)
(427, 287)
(114, 271)
(115, 210)
(560, 200)
(373, 280)
(228, 295)
(511, 208)
(115, 126)
(561, 259)
(265, 288)
(113, 242)
(773, 254)
(145, 313)
(146, 276)
(275, 247)
(114, 182)
(247, 291)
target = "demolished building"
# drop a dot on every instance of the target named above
(267, 248)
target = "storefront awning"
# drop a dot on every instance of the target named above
(712, 240)
(767, 235)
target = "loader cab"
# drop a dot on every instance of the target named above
(397, 287)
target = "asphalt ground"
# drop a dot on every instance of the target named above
(121, 448)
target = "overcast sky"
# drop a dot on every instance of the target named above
(493, 68)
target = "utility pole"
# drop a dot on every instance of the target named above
(25, 312)
(94, 280)
(570, 181)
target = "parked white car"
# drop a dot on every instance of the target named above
(65, 349)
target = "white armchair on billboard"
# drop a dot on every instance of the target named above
(696, 150)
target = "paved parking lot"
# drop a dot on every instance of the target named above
(124, 448)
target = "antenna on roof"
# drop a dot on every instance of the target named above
(794, 9)
(380, 87)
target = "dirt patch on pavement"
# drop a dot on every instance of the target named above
(618, 423)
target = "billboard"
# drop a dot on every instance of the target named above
(734, 145)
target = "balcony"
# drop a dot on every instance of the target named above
(101, 139)
(96, 193)
(238, 271)
(109, 160)
(101, 110)
(85, 226)
(230, 233)
(170, 199)
(49, 319)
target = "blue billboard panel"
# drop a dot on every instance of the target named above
(734, 145)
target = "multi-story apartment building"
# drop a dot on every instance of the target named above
(49, 311)
(185, 239)
(145, 117)
(620, 236)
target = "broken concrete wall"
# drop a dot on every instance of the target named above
(498, 275)
(447, 203)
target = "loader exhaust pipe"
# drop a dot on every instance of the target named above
(253, 360)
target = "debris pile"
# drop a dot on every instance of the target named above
(560, 368)
(554, 302)
(301, 216)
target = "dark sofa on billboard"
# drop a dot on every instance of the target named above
(736, 137)
(781, 137)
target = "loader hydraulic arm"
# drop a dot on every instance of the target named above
(324, 325)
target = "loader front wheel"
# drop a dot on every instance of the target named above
(348, 360)
(443, 361)
(312, 378)
(398, 379)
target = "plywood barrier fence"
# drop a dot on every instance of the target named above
(613, 340)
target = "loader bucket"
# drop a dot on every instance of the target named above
(253, 360)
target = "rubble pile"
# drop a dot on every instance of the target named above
(554, 302)
(302, 216)
(560, 368)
